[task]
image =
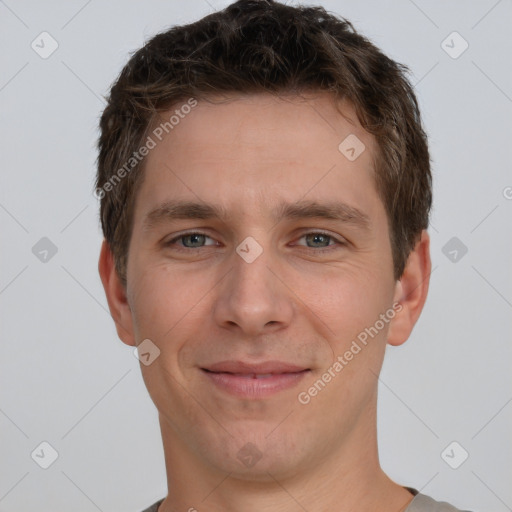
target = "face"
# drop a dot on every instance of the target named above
(259, 249)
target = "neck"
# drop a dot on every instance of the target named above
(349, 478)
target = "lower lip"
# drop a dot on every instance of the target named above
(247, 387)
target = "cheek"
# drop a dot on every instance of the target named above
(347, 299)
(173, 310)
(160, 300)
(351, 304)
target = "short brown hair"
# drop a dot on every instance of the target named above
(257, 46)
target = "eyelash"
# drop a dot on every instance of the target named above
(316, 250)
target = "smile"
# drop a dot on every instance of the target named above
(251, 385)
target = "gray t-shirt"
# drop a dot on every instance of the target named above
(420, 503)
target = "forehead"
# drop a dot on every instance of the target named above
(260, 147)
(260, 119)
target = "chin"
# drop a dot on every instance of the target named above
(256, 453)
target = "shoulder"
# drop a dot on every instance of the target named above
(424, 503)
(154, 507)
(420, 503)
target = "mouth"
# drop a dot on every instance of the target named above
(254, 381)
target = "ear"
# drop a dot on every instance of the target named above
(411, 291)
(116, 295)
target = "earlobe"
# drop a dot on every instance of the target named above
(116, 295)
(411, 291)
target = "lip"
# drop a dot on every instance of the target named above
(254, 381)
(261, 368)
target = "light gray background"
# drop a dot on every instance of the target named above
(66, 378)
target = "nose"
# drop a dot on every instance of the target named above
(252, 298)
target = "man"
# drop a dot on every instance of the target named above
(265, 191)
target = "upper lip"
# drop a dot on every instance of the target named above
(259, 368)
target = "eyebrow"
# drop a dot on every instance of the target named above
(338, 211)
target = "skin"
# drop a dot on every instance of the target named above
(201, 303)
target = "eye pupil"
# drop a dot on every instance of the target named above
(319, 238)
(195, 238)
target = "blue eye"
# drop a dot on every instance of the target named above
(317, 238)
(320, 242)
(197, 240)
(317, 241)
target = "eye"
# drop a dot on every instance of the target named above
(320, 240)
(317, 240)
(192, 240)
